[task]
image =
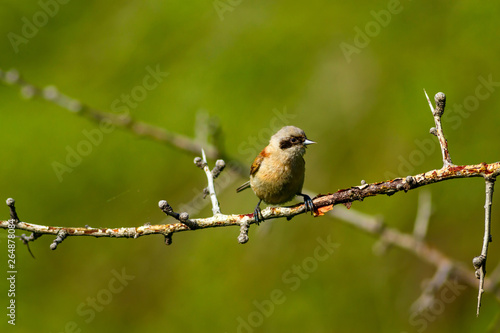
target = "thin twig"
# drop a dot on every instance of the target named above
(211, 175)
(480, 262)
(26, 239)
(440, 99)
(12, 207)
(182, 217)
(211, 188)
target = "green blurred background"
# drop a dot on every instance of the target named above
(239, 61)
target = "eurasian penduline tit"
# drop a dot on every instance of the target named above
(277, 173)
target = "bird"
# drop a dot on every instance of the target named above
(277, 173)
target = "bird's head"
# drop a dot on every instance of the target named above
(291, 141)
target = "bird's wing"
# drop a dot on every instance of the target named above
(258, 161)
(253, 169)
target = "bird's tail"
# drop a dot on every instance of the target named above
(243, 186)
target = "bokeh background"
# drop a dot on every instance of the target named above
(358, 94)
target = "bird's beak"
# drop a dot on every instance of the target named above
(308, 142)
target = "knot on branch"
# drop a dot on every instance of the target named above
(28, 91)
(243, 236)
(11, 76)
(26, 239)
(440, 99)
(219, 166)
(201, 162)
(181, 217)
(52, 94)
(168, 239)
(61, 235)
(198, 161)
(214, 173)
(437, 112)
(478, 262)
(13, 214)
(165, 207)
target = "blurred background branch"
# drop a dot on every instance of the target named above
(124, 121)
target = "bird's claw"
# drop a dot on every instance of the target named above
(257, 214)
(308, 203)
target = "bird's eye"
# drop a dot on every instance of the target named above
(294, 140)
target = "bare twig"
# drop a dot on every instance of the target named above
(27, 239)
(437, 112)
(12, 207)
(211, 175)
(182, 217)
(480, 261)
(211, 188)
(243, 237)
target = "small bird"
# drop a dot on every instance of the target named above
(277, 173)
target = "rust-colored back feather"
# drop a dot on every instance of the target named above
(258, 161)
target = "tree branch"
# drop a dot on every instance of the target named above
(211, 175)
(480, 261)
(437, 112)
(322, 203)
(124, 121)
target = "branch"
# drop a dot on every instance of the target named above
(322, 203)
(124, 121)
(13, 214)
(211, 175)
(480, 261)
(437, 112)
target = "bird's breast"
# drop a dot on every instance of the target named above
(278, 180)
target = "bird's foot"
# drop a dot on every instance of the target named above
(257, 214)
(308, 203)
